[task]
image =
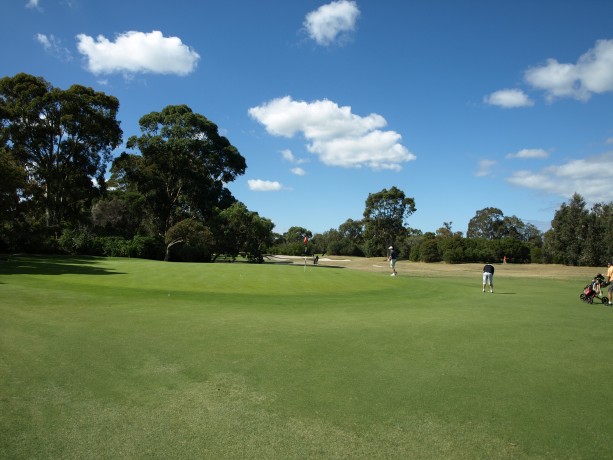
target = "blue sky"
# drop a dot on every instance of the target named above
(463, 105)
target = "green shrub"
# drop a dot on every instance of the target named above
(78, 241)
(146, 247)
(429, 251)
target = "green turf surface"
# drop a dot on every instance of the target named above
(120, 358)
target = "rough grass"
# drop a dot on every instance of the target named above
(120, 358)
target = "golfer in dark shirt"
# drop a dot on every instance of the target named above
(488, 276)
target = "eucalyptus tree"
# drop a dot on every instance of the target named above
(353, 230)
(603, 213)
(297, 234)
(63, 139)
(12, 188)
(385, 218)
(243, 231)
(488, 223)
(569, 232)
(183, 166)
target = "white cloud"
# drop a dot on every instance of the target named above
(33, 5)
(332, 22)
(590, 177)
(317, 120)
(137, 52)
(288, 155)
(509, 99)
(298, 171)
(485, 168)
(529, 153)
(259, 185)
(334, 134)
(53, 46)
(376, 149)
(593, 73)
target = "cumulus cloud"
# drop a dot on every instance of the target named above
(258, 185)
(592, 74)
(590, 177)
(485, 168)
(332, 23)
(53, 46)
(137, 52)
(529, 153)
(337, 136)
(509, 99)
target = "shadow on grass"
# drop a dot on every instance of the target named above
(316, 266)
(53, 265)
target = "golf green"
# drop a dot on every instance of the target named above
(128, 358)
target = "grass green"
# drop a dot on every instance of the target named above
(127, 358)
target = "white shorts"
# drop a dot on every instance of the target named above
(488, 278)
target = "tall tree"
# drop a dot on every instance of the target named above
(569, 231)
(385, 217)
(445, 231)
(183, 166)
(296, 234)
(12, 188)
(603, 213)
(244, 231)
(488, 223)
(120, 213)
(352, 230)
(64, 140)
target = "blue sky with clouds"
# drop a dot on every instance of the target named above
(461, 104)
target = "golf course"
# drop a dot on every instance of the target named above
(117, 358)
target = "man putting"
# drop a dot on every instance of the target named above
(488, 276)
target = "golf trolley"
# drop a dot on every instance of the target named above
(592, 291)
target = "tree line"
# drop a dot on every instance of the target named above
(166, 197)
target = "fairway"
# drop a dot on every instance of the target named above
(128, 358)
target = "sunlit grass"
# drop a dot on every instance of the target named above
(120, 358)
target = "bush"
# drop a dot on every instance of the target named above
(189, 241)
(429, 251)
(146, 247)
(344, 248)
(536, 255)
(78, 241)
(112, 246)
(454, 256)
